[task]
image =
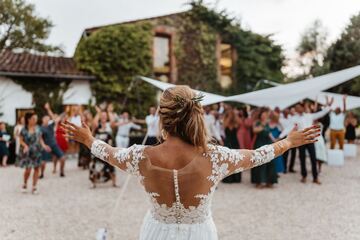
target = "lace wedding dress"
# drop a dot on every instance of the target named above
(181, 199)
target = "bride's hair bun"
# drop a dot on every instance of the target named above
(181, 115)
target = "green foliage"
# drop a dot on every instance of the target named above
(313, 40)
(21, 28)
(258, 56)
(312, 50)
(115, 55)
(44, 90)
(196, 54)
(345, 53)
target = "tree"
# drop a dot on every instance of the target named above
(312, 49)
(21, 28)
(115, 55)
(258, 57)
(345, 53)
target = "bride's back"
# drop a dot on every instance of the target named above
(191, 167)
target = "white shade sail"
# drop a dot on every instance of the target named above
(209, 98)
(285, 95)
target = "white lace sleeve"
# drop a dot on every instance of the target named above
(126, 159)
(228, 161)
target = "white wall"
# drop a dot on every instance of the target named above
(79, 92)
(12, 97)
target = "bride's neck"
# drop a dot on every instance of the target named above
(173, 140)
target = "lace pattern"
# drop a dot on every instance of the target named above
(131, 157)
(98, 149)
(221, 157)
(178, 213)
(263, 155)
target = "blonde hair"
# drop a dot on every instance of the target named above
(181, 115)
(230, 120)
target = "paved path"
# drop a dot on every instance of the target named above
(67, 208)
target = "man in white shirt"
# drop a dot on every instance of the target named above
(124, 126)
(337, 126)
(305, 120)
(210, 125)
(152, 122)
(287, 123)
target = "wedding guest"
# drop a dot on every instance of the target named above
(124, 126)
(111, 114)
(303, 121)
(337, 126)
(275, 131)
(320, 145)
(17, 129)
(210, 125)
(230, 126)
(49, 122)
(75, 118)
(84, 153)
(4, 144)
(219, 128)
(152, 123)
(245, 124)
(287, 123)
(102, 130)
(264, 174)
(350, 124)
(320, 148)
(32, 144)
(61, 140)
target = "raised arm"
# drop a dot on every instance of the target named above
(51, 113)
(95, 122)
(126, 159)
(321, 113)
(239, 160)
(344, 103)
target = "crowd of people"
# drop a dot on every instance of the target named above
(252, 128)
(236, 128)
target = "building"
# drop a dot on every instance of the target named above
(166, 35)
(16, 68)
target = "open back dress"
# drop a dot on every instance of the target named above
(181, 198)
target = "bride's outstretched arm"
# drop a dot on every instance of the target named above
(126, 159)
(239, 160)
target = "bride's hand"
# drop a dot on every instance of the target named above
(79, 134)
(308, 135)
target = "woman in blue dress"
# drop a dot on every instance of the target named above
(275, 131)
(264, 175)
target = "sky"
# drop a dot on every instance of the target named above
(285, 19)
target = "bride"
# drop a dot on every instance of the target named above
(180, 175)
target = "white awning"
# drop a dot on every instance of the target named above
(209, 98)
(285, 95)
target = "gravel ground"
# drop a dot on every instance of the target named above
(67, 208)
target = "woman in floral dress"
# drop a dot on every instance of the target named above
(32, 145)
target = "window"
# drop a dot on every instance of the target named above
(226, 64)
(162, 66)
